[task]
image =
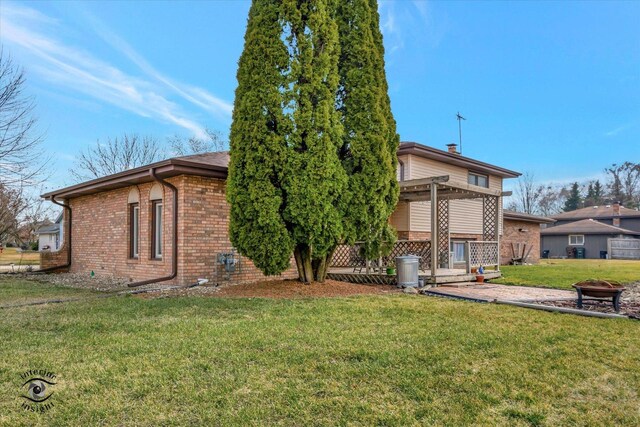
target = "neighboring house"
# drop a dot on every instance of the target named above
(50, 235)
(521, 236)
(591, 235)
(577, 232)
(612, 214)
(124, 224)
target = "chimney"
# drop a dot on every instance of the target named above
(452, 148)
(616, 209)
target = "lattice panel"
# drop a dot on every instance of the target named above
(443, 232)
(483, 253)
(421, 248)
(490, 208)
(349, 256)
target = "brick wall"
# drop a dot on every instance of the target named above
(101, 234)
(204, 233)
(512, 234)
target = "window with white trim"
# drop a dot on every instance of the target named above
(478, 179)
(156, 227)
(134, 230)
(576, 239)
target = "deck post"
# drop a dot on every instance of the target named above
(467, 249)
(435, 248)
(498, 200)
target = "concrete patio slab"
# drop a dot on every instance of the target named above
(491, 292)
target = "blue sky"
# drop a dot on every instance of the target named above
(552, 87)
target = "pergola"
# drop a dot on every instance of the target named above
(439, 190)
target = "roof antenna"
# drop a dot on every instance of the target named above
(460, 119)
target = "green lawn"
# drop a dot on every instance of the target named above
(372, 360)
(14, 291)
(562, 273)
(15, 256)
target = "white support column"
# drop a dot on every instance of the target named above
(434, 230)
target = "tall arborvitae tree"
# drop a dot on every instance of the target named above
(370, 141)
(298, 184)
(574, 199)
(259, 146)
(315, 181)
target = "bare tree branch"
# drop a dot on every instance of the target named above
(21, 160)
(116, 155)
(181, 146)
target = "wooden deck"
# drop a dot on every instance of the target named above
(443, 276)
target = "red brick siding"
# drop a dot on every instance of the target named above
(204, 233)
(512, 234)
(101, 234)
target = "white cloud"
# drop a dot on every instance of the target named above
(77, 70)
(619, 129)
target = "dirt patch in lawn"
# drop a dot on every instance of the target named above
(279, 289)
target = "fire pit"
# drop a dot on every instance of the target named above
(598, 290)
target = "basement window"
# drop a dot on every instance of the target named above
(479, 180)
(576, 240)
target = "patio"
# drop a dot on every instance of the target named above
(436, 266)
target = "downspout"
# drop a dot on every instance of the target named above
(174, 246)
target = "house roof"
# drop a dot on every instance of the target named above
(206, 164)
(520, 216)
(586, 226)
(49, 229)
(597, 212)
(420, 150)
(215, 165)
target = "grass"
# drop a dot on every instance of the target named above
(562, 273)
(14, 256)
(374, 360)
(15, 291)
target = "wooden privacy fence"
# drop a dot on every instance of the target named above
(623, 248)
(481, 253)
(351, 256)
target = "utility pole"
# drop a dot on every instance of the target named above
(460, 119)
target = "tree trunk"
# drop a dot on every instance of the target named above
(311, 269)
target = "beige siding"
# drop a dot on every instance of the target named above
(465, 216)
(400, 217)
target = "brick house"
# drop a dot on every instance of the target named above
(124, 224)
(521, 236)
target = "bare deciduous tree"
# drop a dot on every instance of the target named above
(20, 158)
(624, 183)
(527, 194)
(116, 155)
(12, 204)
(181, 146)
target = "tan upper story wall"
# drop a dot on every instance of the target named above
(465, 216)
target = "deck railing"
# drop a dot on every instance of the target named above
(351, 256)
(479, 253)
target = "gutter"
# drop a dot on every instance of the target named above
(174, 246)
